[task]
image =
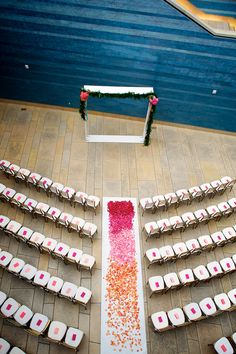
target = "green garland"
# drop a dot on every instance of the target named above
(136, 96)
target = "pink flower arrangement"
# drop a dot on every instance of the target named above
(153, 100)
(84, 95)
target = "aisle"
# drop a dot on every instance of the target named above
(122, 305)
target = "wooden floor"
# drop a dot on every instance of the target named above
(52, 143)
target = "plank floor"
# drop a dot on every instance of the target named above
(51, 142)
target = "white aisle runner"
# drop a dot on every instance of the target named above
(122, 306)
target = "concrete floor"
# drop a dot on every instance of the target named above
(51, 142)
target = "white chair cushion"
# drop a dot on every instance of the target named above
(37, 238)
(39, 323)
(23, 315)
(224, 207)
(218, 237)
(201, 272)
(176, 316)
(208, 306)
(222, 301)
(192, 311)
(87, 261)
(55, 284)
(213, 210)
(201, 215)
(57, 330)
(160, 320)
(193, 245)
(232, 296)
(73, 337)
(19, 198)
(9, 307)
(171, 280)
(61, 249)
(156, 283)
(5, 258)
(41, 278)
(77, 223)
(25, 233)
(28, 272)
(13, 226)
(186, 276)
(49, 243)
(30, 204)
(53, 213)
(223, 346)
(227, 264)
(166, 252)
(74, 255)
(16, 265)
(153, 254)
(232, 203)
(83, 295)
(2, 187)
(180, 248)
(9, 193)
(3, 297)
(16, 350)
(69, 290)
(4, 220)
(4, 346)
(214, 268)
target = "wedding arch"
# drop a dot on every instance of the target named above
(119, 92)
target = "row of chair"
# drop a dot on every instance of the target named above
(225, 345)
(39, 324)
(191, 277)
(44, 280)
(70, 222)
(7, 348)
(190, 219)
(182, 250)
(192, 312)
(165, 201)
(47, 244)
(50, 187)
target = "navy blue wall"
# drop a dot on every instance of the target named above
(69, 43)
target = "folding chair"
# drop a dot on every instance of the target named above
(12, 228)
(214, 212)
(87, 262)
(167, 253)
(12, 170)
(208, 307)
(223, 346)
(64, 220)
(228, 182)
(4, 220)
(41, 209)
(164, 226)
(156, 285)
(232, 203)
(229, 234)
(177, 318)
(29, 205)
(186, 277)
(82, 296)
(172, 281)
(153, 256)
(215, 269)
(89, 230)
(160, 321)
(208, 190)
(193, 312)
(181, 250)
(225, 209)
(22, 316)
(218, 186)
(206, 242)
(80, 198)
(222, 302)
(18, 200)
(41, 279)
(4, 346)
(16, 266)
(28, 272)
(68, 193)
(36, 240)
(56, 188)
(171, 200)
(68, 290)
(8, 194)
(24, 234)
(232, 296)
(189, 219)
(22, 175)
(60, 250)
(54, 285)
(38, 324)
(183, 196)
(53, 214)
(4, 164)
(201, 273)
(56, 331)
(76, 224)
(33, 179)
(73, 338)
(219, 238)
(196, 193)
(48, 245)
(5, 259)
(45, 183)
(227, 265)
(3, 297)
(92, 202)
(177, 223)
(9, 307)
(202, 216)
(151, 229)
(146, 204)
(159, 202)
(193, 246)
(73, 256)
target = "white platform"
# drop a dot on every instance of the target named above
(115, 139)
